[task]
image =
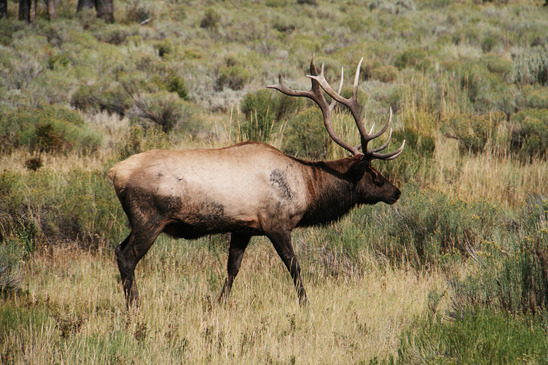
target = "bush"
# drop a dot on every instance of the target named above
(487, 90)
(414, 57)
(429, 228)
(512, 272)
(211, 19)
(475, 132)
(164, 109)
(534, 97)
(419, 150)
(78, 206)
(531, 66)
(305, 135)
(47, 129)
(234, 77)
(530, 133)
(113, 99)
(262, 109)
(386, 73)
(143, 139)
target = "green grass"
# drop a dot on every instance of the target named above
(477, 337)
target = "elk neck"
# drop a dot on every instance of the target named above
(331, 192)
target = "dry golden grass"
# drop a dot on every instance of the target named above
(351, 318)
(486, 176)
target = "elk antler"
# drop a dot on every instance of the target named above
(351, 103)
(315, 93)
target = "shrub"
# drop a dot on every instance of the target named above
(475, 132)
(234, 77)
(500, 66)
(308, 2)
(530, 133)
(534, 97)
(487, 90)
(164, 109)
(419, 150)
(262, 109)
(143, 139)
(383, 73)
(430, 228)
(305, 135)
(174, 84)
(47, 129)
(512, 272)
(531, 66)
(489, 42)
(113, 99)
(78, 206)
(211, 19)
(413, 57)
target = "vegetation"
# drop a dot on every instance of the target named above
(455, 272)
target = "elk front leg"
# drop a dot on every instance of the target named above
(282, 244)
(238, 244)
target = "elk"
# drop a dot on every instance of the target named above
(249, 189)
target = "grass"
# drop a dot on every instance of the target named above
(455, 272)
(74, 311)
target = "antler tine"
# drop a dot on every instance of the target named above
(387, 156)
(333, 102)
(356, 79)
(385, 144)
(373, 136)
(384, 156)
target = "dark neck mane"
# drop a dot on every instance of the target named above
(330, 189)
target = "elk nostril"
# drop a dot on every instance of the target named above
(397, 194)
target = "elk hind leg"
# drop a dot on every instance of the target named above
(238, 244)
(128, 254)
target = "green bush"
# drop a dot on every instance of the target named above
(531, 66)
(534, 97)
(306, 137)
(113, 99)
(234, 77)
(174, 83)
(500, 66)
(167, 110)
(78, 206)
(143, 139)
(262, 109)
(416, 157)
(475, 132)
(211, 19)
(414, 57)
(47, 129)
(430, 228)
(487, 90)
(530, 133)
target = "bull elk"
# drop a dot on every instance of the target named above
(249, 189)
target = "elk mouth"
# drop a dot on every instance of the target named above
(394, 198)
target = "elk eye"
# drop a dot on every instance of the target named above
(378, 181)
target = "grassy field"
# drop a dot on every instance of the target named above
(456, 272)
